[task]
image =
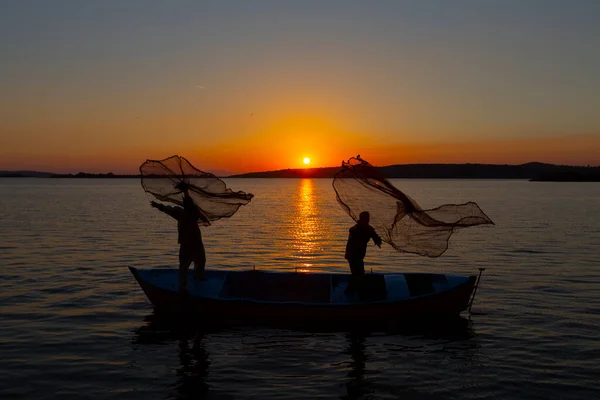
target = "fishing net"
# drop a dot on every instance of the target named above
(166, 180)
(397, 218)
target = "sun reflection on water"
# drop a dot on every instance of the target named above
(307, 225)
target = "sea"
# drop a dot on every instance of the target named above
(74, 324)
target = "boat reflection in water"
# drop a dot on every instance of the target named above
(256, 360)
(188, 341)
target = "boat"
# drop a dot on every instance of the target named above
(260, 294)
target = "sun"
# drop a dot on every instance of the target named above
(306, 160)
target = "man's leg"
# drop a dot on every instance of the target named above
(359, 275)
(357, 268)
(350, 289)
(199, 262)
(185, 260)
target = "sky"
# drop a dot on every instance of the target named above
(242, 86)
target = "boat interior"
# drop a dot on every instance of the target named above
(263, 286)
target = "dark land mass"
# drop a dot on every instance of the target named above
(108, 175)
(591, 175)
(328, 172)
(24, 174)
(532, 171)
(37, 174)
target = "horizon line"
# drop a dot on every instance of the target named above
(233, 174)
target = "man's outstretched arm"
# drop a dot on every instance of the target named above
(376, 238)
(174, 212)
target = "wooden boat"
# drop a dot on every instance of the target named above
(258, 294)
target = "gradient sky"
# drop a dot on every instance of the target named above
(247, 86)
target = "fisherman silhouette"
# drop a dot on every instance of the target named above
(356, 249)
(191, 248)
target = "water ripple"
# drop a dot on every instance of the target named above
(74, 324)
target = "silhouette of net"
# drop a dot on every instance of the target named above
(164, 178)
(397, 218)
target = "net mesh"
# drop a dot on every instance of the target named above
(165, 180)
(397, 218)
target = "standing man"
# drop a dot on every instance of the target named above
(356, 249)
(191, 248)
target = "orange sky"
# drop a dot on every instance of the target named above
(101, 87)
(70, 138)
(265, 152)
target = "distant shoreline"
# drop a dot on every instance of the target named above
(538, 172)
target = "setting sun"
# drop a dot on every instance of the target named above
(306, 160)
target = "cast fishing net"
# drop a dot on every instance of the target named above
(166, 180)
(397, 218)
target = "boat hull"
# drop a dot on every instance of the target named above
(445, 303)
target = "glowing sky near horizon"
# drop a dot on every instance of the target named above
(248, 86)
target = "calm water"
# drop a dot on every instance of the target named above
(74, 324)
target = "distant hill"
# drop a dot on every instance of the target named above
(531, 171)
(24, 174)
(108, 175)
(328, 172)
(570, 175)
